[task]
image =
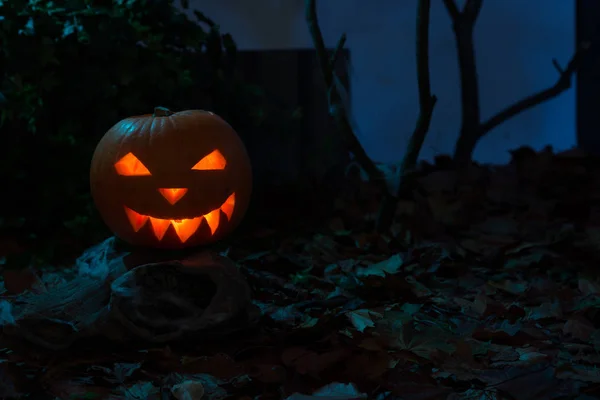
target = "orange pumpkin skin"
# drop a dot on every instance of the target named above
(171, 180)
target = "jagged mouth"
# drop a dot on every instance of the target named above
(186, 227)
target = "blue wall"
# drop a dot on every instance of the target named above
(515, 43)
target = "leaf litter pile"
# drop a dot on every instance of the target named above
(487, 287)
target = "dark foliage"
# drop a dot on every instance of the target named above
(69, 70)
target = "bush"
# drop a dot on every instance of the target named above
(70, 69)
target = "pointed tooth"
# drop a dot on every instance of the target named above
(212, 219)
(185, 228)
(228, 205)
(159, 226)
(136, 220)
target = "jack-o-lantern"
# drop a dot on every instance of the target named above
(171, 180)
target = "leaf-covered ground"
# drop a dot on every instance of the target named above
(487, 288)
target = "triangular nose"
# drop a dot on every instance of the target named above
(173, 195)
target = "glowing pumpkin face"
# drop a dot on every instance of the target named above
(171, 180)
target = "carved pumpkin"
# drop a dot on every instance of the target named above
(171, 180)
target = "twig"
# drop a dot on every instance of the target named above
(471, 9)
(463, 23)
(470, 12)
(426, 99)
(338, 50)
(563, 83)
(426, 104)
(452, 9)
(472, 129)
(339, 112)
(336, 108)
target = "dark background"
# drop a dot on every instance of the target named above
(515, 42)
(69, 73)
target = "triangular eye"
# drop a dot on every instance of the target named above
(129, 165)
(214, 160)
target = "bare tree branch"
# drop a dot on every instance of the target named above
(463, 23)
(472, 129)
(426, 104)
(563, 83)
(472, 8)
(426, 99)
(336, 107)
(470, 11)
(452, 9)
(338, 50)
(317, 38)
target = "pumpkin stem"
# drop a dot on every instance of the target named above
(162, 112)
